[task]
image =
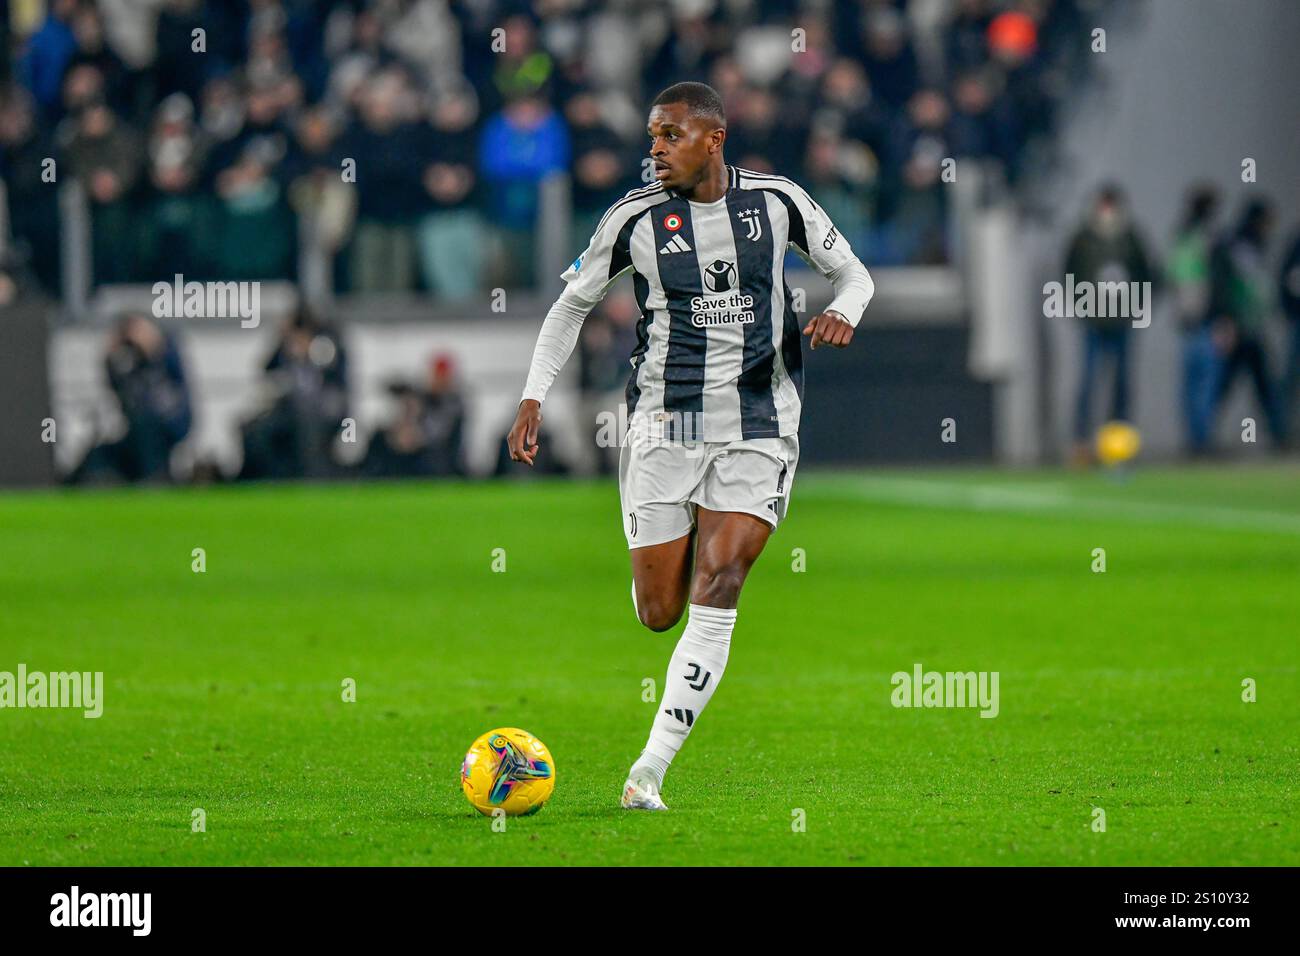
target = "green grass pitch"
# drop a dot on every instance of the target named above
(1119, 690)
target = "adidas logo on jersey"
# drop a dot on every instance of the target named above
(675, 244)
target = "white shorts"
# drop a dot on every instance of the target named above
(660, 483)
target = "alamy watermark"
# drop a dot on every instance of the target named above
(75, 908)
(922, 688)
(179, 299)
(676, 428)
(1098, 300)
(72, 689)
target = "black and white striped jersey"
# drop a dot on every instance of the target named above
(719, 353)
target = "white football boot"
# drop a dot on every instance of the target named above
(641, 794)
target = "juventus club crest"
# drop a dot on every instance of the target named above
(750, 218)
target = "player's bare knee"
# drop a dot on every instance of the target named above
(658, 615)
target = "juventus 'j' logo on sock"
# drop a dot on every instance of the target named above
(693, 677)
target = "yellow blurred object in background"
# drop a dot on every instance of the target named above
(1117, 443)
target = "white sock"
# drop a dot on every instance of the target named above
(693, 674)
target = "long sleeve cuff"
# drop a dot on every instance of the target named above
(853, 291)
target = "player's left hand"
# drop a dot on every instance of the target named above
(829, 328)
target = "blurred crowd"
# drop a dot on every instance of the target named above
(1216, 281)
(1225, 295)
(410, 138)
(300, 425)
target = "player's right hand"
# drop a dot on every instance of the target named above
(522, 440)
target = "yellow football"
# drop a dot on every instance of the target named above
(507, 769)
(1117, 442)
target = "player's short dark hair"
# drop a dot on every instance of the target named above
(700, 99)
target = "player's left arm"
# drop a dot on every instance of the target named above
(817, 241)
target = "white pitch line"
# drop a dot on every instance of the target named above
(1057, 498)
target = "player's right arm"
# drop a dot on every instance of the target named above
(588, 279)
(555, 343)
